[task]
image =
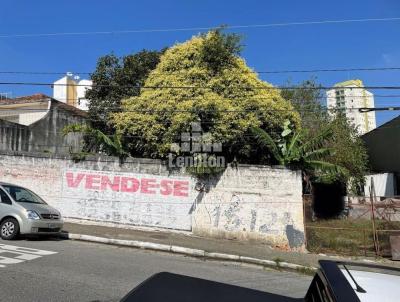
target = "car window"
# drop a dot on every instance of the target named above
(23, 195)
(4, 197)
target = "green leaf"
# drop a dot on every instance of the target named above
(325, 166)
(286, 132)
(266, 141)
(319, 153)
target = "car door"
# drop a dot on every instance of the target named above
(5, 204)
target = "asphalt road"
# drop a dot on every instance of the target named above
(80, 271)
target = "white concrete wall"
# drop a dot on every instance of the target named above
(138, 194)
(384, 184)
(30, 118)
(83, 103)
(247, 203)
(60, 89)
(26, 114)
(253, 202)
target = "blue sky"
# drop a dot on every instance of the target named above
(373, 44)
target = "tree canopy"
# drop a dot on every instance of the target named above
(196, 81)
(306, 99)
(115, 79)
(142, 103)
(350, 153)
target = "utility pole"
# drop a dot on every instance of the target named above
(374, 233)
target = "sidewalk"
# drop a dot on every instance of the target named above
(211, 245)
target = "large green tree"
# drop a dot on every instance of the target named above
(203, 80)
(114, 79)
(350, 152)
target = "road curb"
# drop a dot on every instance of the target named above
(277, 264)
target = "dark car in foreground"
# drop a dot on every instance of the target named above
(333, 282)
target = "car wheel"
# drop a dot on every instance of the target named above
(9, 229)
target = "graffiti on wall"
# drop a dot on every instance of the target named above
(43, 181)
(246, 202)
(235, 212)
(137, 199)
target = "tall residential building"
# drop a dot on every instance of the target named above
(346, 97)
(71, 91)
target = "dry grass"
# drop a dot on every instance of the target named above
(348, 237)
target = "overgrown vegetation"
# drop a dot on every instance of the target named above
(214, 88)
(220, 50)
(350, 153)
(346, 236)
(115, 79)
(292, 150)
(205, 80)
(347, 149)
(97, 141)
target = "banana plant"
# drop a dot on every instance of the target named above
(291, 151)
(96, 139)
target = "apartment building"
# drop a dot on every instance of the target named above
(347, 97)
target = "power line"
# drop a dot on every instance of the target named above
(60, 133)
(140, 136)
(323, 97)
(159, 30)
(366, 109)
(248, 135)
(109, 109)
(332, 70)
(259, 72)
(198, 87)
(210, 122)
(166, 123)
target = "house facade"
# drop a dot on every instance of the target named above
(35, 123)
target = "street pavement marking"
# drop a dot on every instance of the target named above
(22, 254)
(7, 260)
(19, 255)
(26, 250)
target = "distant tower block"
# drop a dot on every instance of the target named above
(344, 98)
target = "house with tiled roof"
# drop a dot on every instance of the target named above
(34, 123)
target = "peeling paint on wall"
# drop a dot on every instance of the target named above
(140, 199)
(259, 203)
(106, 196)
(248, 202)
